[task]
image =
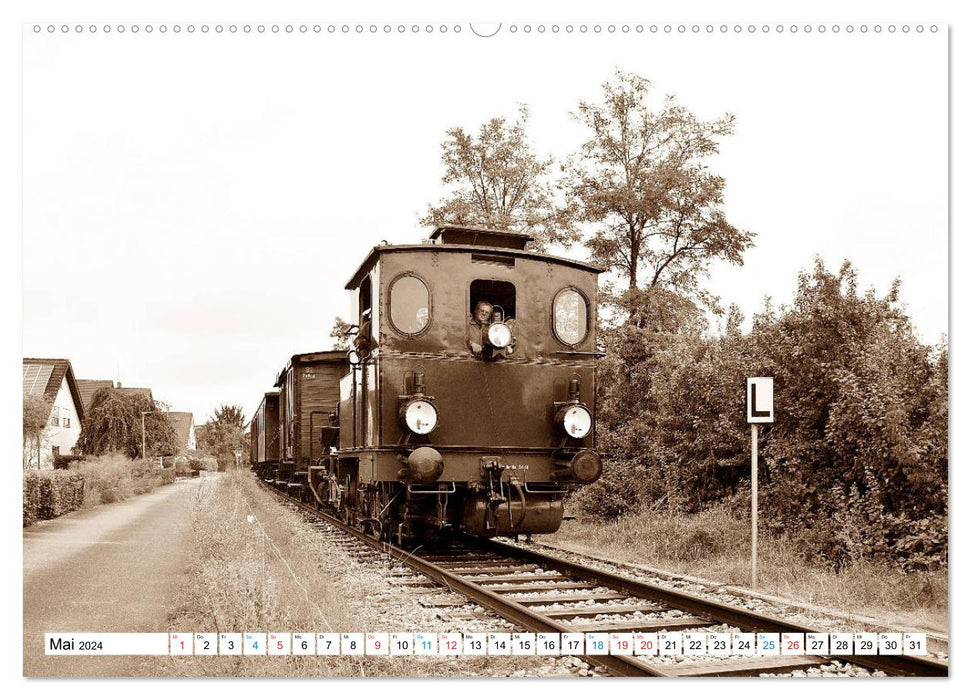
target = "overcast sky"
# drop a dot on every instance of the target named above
(194, 204)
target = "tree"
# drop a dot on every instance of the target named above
(341, 333)
(499, 182)
(225, 435)
(37, 411)
(642, 180)
(113, 423)
(855, 465)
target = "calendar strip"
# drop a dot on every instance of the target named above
(485, 644)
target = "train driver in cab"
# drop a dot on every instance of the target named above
(479, 326)
(486, 315)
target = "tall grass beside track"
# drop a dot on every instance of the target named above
(252, 572)
(715, 545)
(258, 567)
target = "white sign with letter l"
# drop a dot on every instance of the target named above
(759, 399)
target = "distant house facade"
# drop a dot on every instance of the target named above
(53, 380)
(185, 429)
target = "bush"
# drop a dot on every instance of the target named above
(32, 479)
(66, 461)
(107, 479)
(61, 493)
(50, 494)
(192, 463)
(90, 482)
(148, 476)
(618, 492)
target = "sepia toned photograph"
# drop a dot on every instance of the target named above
(451, 349)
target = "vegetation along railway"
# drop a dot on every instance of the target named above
(466, 410)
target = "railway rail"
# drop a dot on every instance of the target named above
(543, 593)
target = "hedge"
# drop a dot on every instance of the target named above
(49, 494)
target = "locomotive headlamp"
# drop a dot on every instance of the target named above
(575, 420)
(500, 336)
(419, 415)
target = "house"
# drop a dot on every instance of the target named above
(53, 379)
(90, 387)
(185, 429)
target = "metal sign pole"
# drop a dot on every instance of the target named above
(755, 503)
(759, 397)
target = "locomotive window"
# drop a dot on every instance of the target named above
(499, 294)
(569, 316)
(409, 305)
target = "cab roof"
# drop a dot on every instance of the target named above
(468, 239)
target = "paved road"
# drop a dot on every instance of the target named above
(114, 568)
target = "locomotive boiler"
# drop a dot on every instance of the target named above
(467, 402)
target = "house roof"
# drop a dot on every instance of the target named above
(182, 424)
(43, 377)
(90, 387)
(140, 391)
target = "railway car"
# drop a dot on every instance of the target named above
(468, 401)
(309, 392)
(265, 436)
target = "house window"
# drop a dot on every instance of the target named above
(55, 416)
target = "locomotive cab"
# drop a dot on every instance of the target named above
(469, 398)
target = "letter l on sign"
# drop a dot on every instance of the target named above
(759, 400)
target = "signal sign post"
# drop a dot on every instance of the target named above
(759, 400)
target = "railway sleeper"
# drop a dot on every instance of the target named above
(636, 625)
(546, 599)
(516, 578)
(538, 587)
(612, 610)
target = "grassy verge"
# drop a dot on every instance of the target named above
(716, 546)
(112, 478)
(256, 566)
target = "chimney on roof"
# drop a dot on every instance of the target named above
(118, 385)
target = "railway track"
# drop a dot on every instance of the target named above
(543, 593)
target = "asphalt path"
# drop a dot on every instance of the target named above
(114, 568)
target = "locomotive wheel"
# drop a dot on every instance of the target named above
(376, 514)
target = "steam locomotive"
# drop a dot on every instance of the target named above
(466, 404)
